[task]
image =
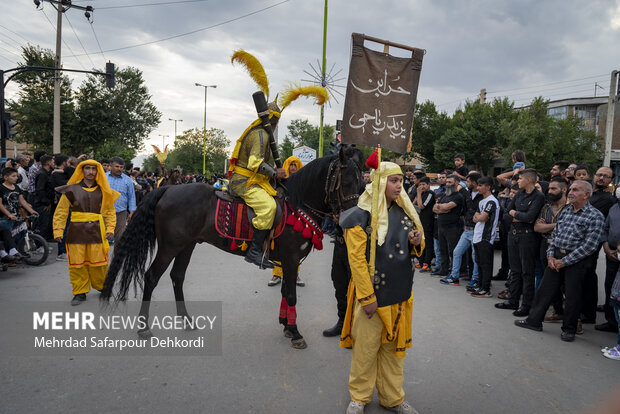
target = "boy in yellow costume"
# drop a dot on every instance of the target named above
(93, 219)
(378, 320)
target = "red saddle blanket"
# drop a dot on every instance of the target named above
(231, 221)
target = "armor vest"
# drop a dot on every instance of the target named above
(87, 202)
(393, 277)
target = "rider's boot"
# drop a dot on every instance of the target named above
(255, 252)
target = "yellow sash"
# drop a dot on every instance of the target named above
(82, 217)
(256, 178)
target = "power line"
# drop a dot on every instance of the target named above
(549, 89)
(17, 34)
(547, 84)
(556, 94)
(7, 59)
(151, 4)
(10, 45)
(97, 39)
(195, 31)
(10, 51)
(73, 55)
(78, 39)
(11, 39)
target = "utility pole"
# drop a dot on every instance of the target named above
(61, 6)
(614, 95)
(57, 81)
(483, 96)
(323, 82)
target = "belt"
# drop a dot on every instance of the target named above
(256, 178)
(83, 217)
(468, 227)
(521, 231)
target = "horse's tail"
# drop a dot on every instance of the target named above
(133, 249)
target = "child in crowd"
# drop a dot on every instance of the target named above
(461, 170)
(581, 173)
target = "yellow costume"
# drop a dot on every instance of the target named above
(93, 215)
(252, 152)
(251, 169)
(379, 343)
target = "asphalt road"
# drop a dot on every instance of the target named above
(467, 356)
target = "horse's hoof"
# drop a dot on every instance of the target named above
(299, 343)
(287, 333)
(146, 334)
(190, 326)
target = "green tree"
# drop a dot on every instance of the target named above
(545, 140)
(286, 148)
(94, 120)
(476, 132)
(428, 126)
(114, 121)
(188, 150)
(151, 163)
(301, 132)
(34, 106)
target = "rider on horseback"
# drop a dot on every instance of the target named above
(250, 180)
(251, 167)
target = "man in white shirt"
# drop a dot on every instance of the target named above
(23, 160)
(486, 218)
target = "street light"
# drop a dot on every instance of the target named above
(204, 131)
(175, 126)
(163, 141)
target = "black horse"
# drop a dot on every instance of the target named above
(178, 217)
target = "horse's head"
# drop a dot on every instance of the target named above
(343, 180)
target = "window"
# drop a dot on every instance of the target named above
(588, 114)
(560, 112)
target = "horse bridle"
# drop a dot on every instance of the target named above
(334, 194)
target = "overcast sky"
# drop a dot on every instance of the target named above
(520, 49)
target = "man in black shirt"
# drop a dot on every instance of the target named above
(602, 201)
(425, 201)
(44, 197)
(462, 253)
(448, 209)
(524, 209)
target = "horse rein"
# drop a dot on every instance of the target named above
(333, 186)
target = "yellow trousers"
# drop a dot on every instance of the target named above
(277, 269)
(263, 205)
(82, 278)
(374, 363)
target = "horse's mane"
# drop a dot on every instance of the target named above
(300, 182)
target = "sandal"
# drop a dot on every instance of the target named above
(504, 294)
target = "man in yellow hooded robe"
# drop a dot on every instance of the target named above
(93, 219)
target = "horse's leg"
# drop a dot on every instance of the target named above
(289, 290)
(151, 278)
(177, 274)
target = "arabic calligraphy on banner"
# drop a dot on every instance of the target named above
(380, 98)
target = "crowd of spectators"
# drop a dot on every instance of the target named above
(27, 187)
(550, 229)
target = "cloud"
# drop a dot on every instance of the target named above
(502, 46)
